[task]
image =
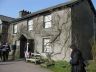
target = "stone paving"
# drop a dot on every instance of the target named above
(21, 66)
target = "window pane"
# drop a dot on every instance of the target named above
(48, 18)
(15, 28)
(46, 41)
(30, 28)
(47, 24)
(47, 47)
(0, 27)
(30, 25)
(30, 22)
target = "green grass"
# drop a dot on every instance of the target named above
(92, 66)
(61, 66)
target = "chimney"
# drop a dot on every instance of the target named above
(23, 13)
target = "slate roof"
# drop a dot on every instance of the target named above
(6, 18)
(66, 4)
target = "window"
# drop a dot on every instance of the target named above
(0, 27)
(46, 45)
(15, 28)
(47, 21)
(30, 25)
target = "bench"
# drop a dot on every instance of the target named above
(35, 57)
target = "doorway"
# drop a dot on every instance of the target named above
(23, 44)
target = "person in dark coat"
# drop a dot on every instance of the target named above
(6, 50)
(77, 61)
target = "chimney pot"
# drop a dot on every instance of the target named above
(23, 13)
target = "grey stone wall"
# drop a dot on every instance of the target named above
(61, 30)
(69, 25)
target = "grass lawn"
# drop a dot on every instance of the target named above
(60, 66)
(63, 66)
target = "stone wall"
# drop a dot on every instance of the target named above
(59, 33)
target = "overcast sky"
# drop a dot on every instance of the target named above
(12, 7)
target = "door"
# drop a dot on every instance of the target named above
(23, 46)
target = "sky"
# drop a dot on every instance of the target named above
(12, 7)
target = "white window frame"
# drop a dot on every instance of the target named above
(15, 28)
(48, 21)
(46, 45)
(1, 27)
(30, 25)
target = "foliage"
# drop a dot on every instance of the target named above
(93, 45)
(45, 62)
(92, 66)
(94, 51)
(92, 63)
(61, 66)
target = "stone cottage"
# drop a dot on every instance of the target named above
(4, 26)
(54, 29)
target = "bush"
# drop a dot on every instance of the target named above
(92, 66)
(46, 63)
(61, 66)
(94, 51)
(93, 45)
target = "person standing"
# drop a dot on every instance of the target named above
(7, 50)
(4, 52)
(77, 61)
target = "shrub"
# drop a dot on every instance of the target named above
(92, 66)
(93, 45)
(94, 51)
(61, 66)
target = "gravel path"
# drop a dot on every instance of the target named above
(20, 66)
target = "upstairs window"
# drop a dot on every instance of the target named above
(0, 27)
(47, 21)
(30, 25)
(46, 45)
(15, 28)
